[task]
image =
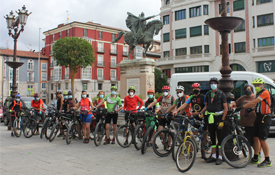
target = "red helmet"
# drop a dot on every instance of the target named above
(150, 91)
(166, 88)
(196, 85)
(36, 95)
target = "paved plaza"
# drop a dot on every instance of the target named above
(39, 156)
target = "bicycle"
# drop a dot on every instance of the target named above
(29, 123)
(140, 129)
(49, 122)
(124, 135)
(18, 124)
(146, 142)
(235, 148)
(74, 127)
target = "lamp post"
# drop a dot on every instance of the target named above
(13, 23)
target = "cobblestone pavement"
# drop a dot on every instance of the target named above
(39, 156)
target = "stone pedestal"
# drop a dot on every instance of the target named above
(138, 73)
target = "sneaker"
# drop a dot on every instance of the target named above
(218, 161)
(60, 135)
(168, 148)
(87, 140)
(37, 133)
(84, 141)
(107, 141)
(12, 134)
(113, 141)
(126, 142)
(265, 164)
(254, 161)
(64, 137)
(211, 159)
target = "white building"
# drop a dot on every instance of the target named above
(189, 45)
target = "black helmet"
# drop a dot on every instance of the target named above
(214, 79)
(69, 93)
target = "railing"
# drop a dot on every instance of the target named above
(30, 80)
(113, 51)
(52, 65)
(100, 50)
(31, 69)
(113, 78)
(44, 70)
(181, 57)
(44, 79)
(51, 78)
(113, 65)
(125, 53)
(66, 76)
(100, 64)
(100, 77)
(263, 49)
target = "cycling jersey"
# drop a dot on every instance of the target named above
(112, 103)
(130, 104)
(37, 103)
(149, 101)
(166, 103)
(179, 102)
(65, 103)
(215, 101)
(197, 102)
(98, 100)
(85, 104)
(58, 104)
(263, 106)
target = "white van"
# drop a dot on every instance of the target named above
(240, 78)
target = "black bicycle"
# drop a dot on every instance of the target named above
(49, 122)
(74, 127)
(18, 123)
(140, 129)
(236, 150)
(29, 123)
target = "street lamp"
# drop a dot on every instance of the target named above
(13, 23)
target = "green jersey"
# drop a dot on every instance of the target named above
(112, 103)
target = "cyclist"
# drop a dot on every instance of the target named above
(65, 101)
(113, 106)
(37, 105)
(59, 106)
(216, 106)
(15, 107)
(166, 101)
(262, 122)
(70, 101)
(85, 115)
(100, 98)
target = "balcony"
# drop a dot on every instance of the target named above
(51, 78)
(52, 65)
(30, 80)
(113, 78)
(264, 49)
(30, 69)
(66, 77)
(44, 70)
(113, 51)
(113, 65)
(100, 64)
(125, 53)
(86, 77)
(100, 77)
(100, 50)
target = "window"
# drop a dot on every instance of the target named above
(263, 1)
(192, 69)
(66, 86)
(254, 43)
(30, 64)
(113, 61)
(206, 30)
(58, 87)
(43, 76)
(51, 96)
(68, 32)
(99, 86)
(125, 50)
(206, 48)
(205, 9)
(100, 47)
(167, 2)
(57, 73)
(100, 34)
(100, 60)
(44, 67)
(113, 74)
(167, 72)
(195, 31)
(113, 49)
(86, 73)
(195, 11)
(181, 14)
(166, 19)
(266, 66)
(240, 28)
(113, 37)
(84, 86)
(196, 49)
(228, 7)
(262, 42)
(166, 37)
(180, 33)
(43, 85)
(85, 32)
(253, 19)
(60, 34)
(166, 54)
(100, 73)
(237, 67)
(30, 77)
(67, 73)
(252, 2)
(229, 45)
(238, 5)
(53, 38)
(240, 47)
(265, 20)
(181, 51)
(51, 86)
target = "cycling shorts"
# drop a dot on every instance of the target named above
(85, 118)
(111, 116)
(261, 126)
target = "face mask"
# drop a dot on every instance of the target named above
(101, 96)
(37, 98)
(180, 94)
(66, 97)
(196, 92)
(165, 93)
(84, 96)
(18, 99)
(213, 86)
(70, 96)
(247, 92)
(150, 96)
(113, 92)
(258, 89)
(131, 93)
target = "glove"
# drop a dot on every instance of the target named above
(137, 110)
(21, 113)
(238, 109)
(122, 111)
(40, 112)
(249, 110)
(221, 124)
(145, 109)
(10, 110)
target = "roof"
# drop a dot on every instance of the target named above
(21, 53)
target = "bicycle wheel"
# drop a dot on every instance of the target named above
(206, 146)
(99, 133)
(177, 142)
(138, 136)
(17, 130)
(161, 141)
(43, 129)
(146, 140)
(71, 134)
(236, 151)
(186, 155)
(124, 136)
(29, 127)
(49, 128)
(54, 132)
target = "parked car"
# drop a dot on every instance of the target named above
(1, 113)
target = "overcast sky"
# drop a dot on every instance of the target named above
(47, 14)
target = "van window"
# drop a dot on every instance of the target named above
(238, 88)
(270, 88)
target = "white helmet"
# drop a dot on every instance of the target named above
(180, 88)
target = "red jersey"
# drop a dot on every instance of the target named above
(36, 104)
(97, 101)
(131, 103)
(85, 104)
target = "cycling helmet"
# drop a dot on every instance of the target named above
(214, 79)
(69, 93)
(132, 88)
(65, 93)
(114, 87)
(17, 96)
(166, 88)
(150, 91)
(196, 85)
(258, 81)
(36, 95)
(59, 92)
(180, 88)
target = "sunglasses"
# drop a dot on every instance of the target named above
(165, 91)
(179, 92)
(213, 83)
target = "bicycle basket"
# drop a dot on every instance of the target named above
(101, 111)
(140, 115)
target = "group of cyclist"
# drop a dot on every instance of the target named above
(254, 110)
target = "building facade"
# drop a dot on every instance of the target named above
(189, 45)
(27, 74)
(103, 73)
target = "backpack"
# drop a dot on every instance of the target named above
(272, 100)
(172, 99)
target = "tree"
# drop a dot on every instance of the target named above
(75, 53)
(160, 80)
